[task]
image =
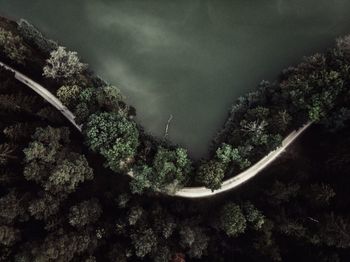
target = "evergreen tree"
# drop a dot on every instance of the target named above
(7, 153)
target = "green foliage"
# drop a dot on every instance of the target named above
(69, 95)
(63, 64)
(62, 246)
(227, 154)
(254, 125)
(68, 174)
(141, 181)
(33, 35)
(52, 136)
(13, 46)
(114, 137)
(315, 90)
(274, 142)
(144, 242)
(85, 213)
(171, 168)
(44, 207)
(321, 104)
(87, 95)
(315, 86)
(253, 216)
(296, 220)
(86, 105)
(281, 121)
(224, 153)
(256, 131)
(13, 207)
(257, 113)
(232, 220)
(110, 98)
(81, 113)
(164, 223)
(52, 165)
(211, 174)
(194, 239)
(46, 145)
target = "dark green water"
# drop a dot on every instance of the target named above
(187, 58)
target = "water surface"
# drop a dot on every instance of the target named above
(187, 58)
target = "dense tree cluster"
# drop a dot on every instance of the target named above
(39, 170)
(227, 159)
(13, 46)
(31, 34)
(50, 163)
(168, 172)
(114, 137)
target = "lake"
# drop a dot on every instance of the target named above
(188, 58)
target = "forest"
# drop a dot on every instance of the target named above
(64, 196)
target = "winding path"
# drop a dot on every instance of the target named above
(43, 92)
(196, 192)
(187, 192)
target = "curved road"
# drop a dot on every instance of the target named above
(196, 192)
(187, 192)
(43, 92)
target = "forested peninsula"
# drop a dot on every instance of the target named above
(65, 196)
